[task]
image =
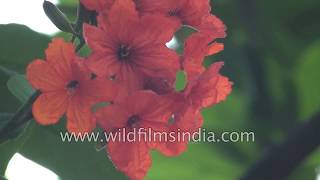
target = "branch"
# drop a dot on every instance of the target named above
(279, 162)
(23, 115)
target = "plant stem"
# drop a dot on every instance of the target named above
(280, 161)
(23, 115)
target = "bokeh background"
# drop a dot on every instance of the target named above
(272, 54)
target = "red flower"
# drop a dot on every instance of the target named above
(189, 12)
(206, 90)
(67, 87)
(143, 109)
(213, 27)
(209, 88)
(196, 48)
(129, 47)
(97, 5)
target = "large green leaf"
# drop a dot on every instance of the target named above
(307, 76)
(200, 161)
(70, 160)
(20, 88)
(19, 46)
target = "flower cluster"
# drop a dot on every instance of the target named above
(132, 69)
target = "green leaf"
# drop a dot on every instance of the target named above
(20, 88)
(200, 161)
(70, 160)
(57, 17)
(307, 81)
(4, 119)
(69, 2)
(180, 80)
(19, 46)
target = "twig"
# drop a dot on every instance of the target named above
(23, 115)
(280, 161)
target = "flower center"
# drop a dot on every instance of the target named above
(73, 84)
(123, 52)
(133, 120)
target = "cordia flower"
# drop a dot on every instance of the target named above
(131, 67)
(142, 109)
(194, 13)
(196, 48)
(206, 90)
(66, 86)
(131, 48)
(189, 12)
(209, 88)
(97, 5)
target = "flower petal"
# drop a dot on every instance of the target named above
(80, 119)
(97, 5)
(213, 26)
(123, 14)
(49, 107)
(132, 158)
(214, 48)
(210, 88)
(42, 76)
(97, 39)
(149, 27)
(112, 116)
(149, 106)
(60, 56)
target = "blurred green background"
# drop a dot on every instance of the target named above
(272, 54)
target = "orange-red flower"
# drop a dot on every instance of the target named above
(66, 86)
(209, 88)
(97, 5)
(206, 90)
(131, 48)
(197, 47)
(142, 109)
(189, 12)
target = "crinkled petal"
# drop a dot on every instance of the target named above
(215, 48)
(210, 88)
(213, 26)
